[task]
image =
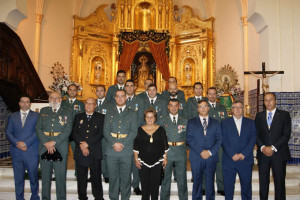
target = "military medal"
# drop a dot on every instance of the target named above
(75, 107)
(136, 107)
(156, 108)
(181, 107)
(60, 121)
(103, 111)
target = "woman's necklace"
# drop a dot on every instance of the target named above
(151, 137)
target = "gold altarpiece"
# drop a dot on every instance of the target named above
(95, 55)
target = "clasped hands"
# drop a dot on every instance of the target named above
(21, 145)
(50, 146)
(267, 151)
(205, 154)
(118, 146)
(84, 148)
(238, 156)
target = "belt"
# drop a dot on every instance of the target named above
(52, 133)
(176, 143)
(119, 135)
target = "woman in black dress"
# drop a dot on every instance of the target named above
(150, 153)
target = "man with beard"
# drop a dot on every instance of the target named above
(165, 94)
(111, 92)
(174, 94)
(53, 129)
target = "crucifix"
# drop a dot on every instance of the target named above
(264, 77)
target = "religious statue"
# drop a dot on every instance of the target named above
(188, 73)
(264, 79)
(143, 72)
(98, 71)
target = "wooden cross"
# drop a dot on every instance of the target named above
(264, 76)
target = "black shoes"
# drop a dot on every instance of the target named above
(221, 192)
(106, 180)
(137, 191)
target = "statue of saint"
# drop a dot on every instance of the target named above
(98, 71)
(188, 73)
(226, 86)
(143, 72)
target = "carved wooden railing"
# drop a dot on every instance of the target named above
(17, 73)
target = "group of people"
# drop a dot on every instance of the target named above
(141, 139)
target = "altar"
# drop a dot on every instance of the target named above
(147, 39)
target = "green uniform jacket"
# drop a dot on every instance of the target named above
(104, 107)
(124, 123)
(182, 107)
(175, 133)
(61, 121)
(137, 104)
(160, 105)
(192, 105)
(111, 92)
(219, 113)
(77, 106)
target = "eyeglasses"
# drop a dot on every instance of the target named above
(237, 107)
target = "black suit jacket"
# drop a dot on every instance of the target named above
(278, 135)
(90, 131)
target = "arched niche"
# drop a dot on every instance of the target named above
(97, 71)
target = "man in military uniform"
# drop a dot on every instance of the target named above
(53, 129)
(135, 104)
(144, 95)
(173, 94)
(218, 112)
(120, 129)
(76, 106)
(165, 94)
(156, 102)
(192, 102)
(175, 127)
(103, 105)
(87, 133)
(111, 92)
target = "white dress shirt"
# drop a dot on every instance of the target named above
(238, 124)
(176, 117)
(273, 112)
(123, 108)
(27, 112)
(198, 97)
(102, 100)
(121, 86)
(201, 119)
(154, 99)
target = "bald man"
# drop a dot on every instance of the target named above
(87, 134)
(174, 94)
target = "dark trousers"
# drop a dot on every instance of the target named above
(82, 177)
(278, 171)
(245, 176)
(207, 168)
(150, 179)
(31, 165)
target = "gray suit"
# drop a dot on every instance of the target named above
(176, 155)
(121, 128)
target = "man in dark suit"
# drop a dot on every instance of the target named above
(87, 134)
(204, 139)
(24, 145)
(111, 92)
(165, 94)
(103, 105)
(238, 140)
(273, 134)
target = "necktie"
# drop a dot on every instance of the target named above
(174, 120)
(129, 99)
(152, 101)
(204, 125)
(71, 101)
(100, 103)
(269, 120)
(198, 99)
(213, 105)
(120, 110)
(89, 117)
(54, 110)
(24, 118)
(121, 88)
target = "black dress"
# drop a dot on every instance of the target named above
(151, 155)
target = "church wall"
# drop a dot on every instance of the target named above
(281, 36)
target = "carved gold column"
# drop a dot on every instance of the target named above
(37, 39)
(246, 53)
(204, 64)
(80, 45)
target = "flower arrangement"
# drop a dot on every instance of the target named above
(61, 80)
(235, 91)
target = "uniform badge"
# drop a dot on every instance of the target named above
(181, 128)
(76, 107)
(60, 121)
(181, 106)
(104, 111)
(221, 114)
(136, 107)
(81, 121)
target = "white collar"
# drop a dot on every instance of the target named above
(154, 99)
(200, 97)
(123, 107)
(176, 117)
(27, 112)
(56, 108)
(101, 99)
(273, 112)
(120, 86)
(236, 119)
